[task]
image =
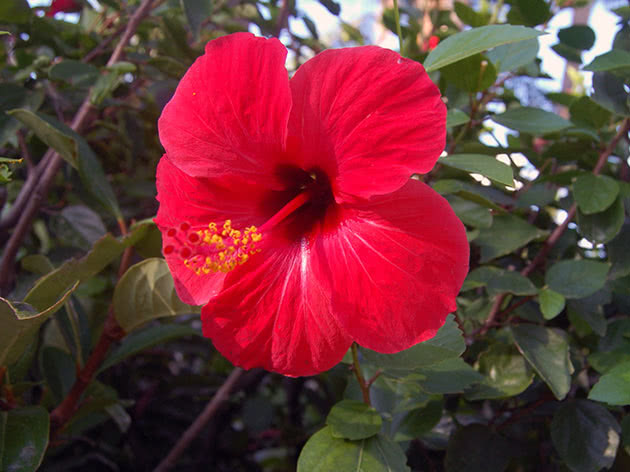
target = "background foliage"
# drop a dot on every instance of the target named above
(104, 368)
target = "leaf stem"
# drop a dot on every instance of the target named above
(363, 385)
(398, 29)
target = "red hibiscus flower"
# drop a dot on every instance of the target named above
(287, 209)
(65, 6)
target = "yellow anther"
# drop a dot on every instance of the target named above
(220, 248)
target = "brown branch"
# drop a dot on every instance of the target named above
(283, 19)
(202, 420)
(98, 50)
(50, 167)
(560, 229)
(111, 333)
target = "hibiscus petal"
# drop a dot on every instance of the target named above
(367, 116)
(197, 201)
(274, 313)
(230, 111)
(395, 265)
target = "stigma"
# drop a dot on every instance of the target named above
(211, 248)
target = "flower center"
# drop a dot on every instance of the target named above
(221, 248)
(211, 248)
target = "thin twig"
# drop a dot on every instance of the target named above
(202, 420)
(283, 18)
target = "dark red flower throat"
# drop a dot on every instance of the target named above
(307, 205)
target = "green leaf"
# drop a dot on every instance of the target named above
(446, 344)
(476, 448)
(456, 117)
(76, 73)
(88, 165)
(470, 213)
(487, 166)
(14, 11)
(104, 87)
(473, 193)
(49, 288)
(13, 96)
(585, 435)
(49, 134)
(108, 81)
(528, 12)
(196, 11)
(419, 421)
(471, 42)
(138, 341)
(324, 453)
(577, 278)
(473, 74)
(499, 281)
(23, 438)
(614, 386)
(586, 111)
(580, 37)
(19, 322)
(604, 226)
(449, 376)
(351, 33)
(37, 263)
(602, 362)
(471, 17)
(507, 233)
(350, 419)
(547, 351)
(59, 371)
(147, 292)
(531, 120)
(513, 56)
(613, 60)
(551, 303)
(85, 222)
(590, 310)
(594, 193)
(506, 373)
(618, 253)
(609, 91)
